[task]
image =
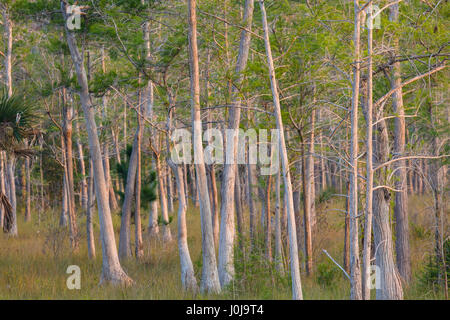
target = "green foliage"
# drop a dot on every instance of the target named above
(432, 276)
(326, 274)
(17, 117)
(149, 182)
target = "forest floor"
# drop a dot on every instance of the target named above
(33, 265)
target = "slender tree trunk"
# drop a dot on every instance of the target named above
(89, 209)
(227, 228)
(239, 211)
(210, 279)
(268, 229)
(112, 271)
(64, 206)
(167, 235)
(307, 212)
(83, 184)
(28, 190)
(310, 180)
(68, 149)
(188, 280)
(369, 164)
(295, 272)
(139, 250)
(278, 244)
(10, 165)
(347, 231)
(153, 227)
(355, 268)
(401, 198)
(8, 27)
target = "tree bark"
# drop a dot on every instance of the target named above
(112, 271)
(295, 272)
(355, 268)
(210, 279)
(401, 198)
(227, 227)
(390, 286)
(90, 206)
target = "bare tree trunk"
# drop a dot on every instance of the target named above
(68, 149)
(251, 203)
(278, 244)
(268, 235)
(210, 279)
(125, 226)
(112, 197)
(139, 250)
(295, 272)
(10, 165)
(83, 185)
(306, 212)
(153, 227)
(64, 206)
(369, 163)
(112, 271)
(90, 206)
(8, 27)
(347, 231)
(355, 268)
(310, 180)
(401, 198)
(239, 213)
(188, 280)
(390, 286)
(167, 235)
(227, 228)
(28, 190)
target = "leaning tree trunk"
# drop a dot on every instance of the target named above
(112, 271)
(295, 272)
(210, 279)
(125, 225)
(227, 225)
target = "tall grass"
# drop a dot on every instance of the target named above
(33, 265)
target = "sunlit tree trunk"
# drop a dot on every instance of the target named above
(68, 157)
(89, 210)
(355, 267)
(369, 164)
(28, 190)
(112, 271)
(210, 279)
(227, 227)
(403, 254)
(83, 183)
(389, 279)
(295, 272)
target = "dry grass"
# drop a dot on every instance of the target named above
(33, 265)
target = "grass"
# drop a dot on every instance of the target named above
(33, 265)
